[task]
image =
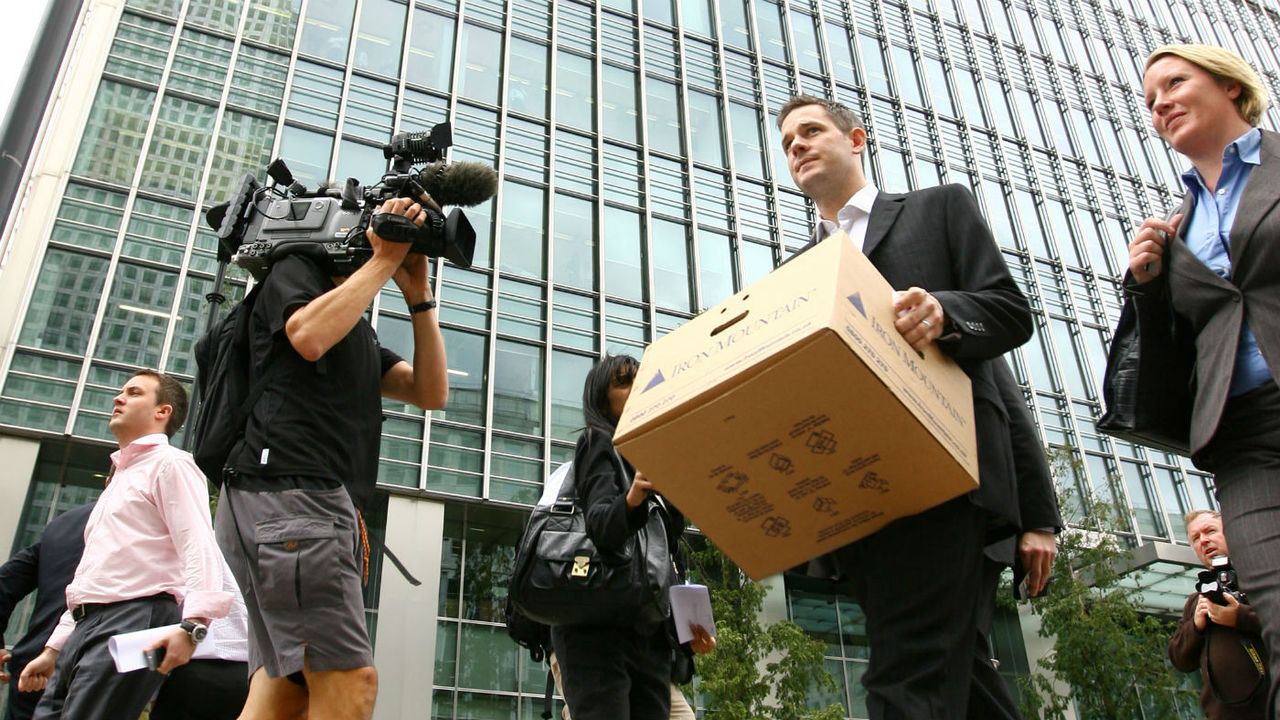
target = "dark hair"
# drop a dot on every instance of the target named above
(843, 118)
(612, 371)
(169, 392)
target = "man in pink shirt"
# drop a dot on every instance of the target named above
(150, 560)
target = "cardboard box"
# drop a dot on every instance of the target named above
(793, 419)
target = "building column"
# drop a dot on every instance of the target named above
(406, 646)
(18, 457)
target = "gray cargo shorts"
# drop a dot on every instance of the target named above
(298, 559)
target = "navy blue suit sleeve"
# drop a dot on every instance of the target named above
(602, 493)
(988, 316)
(18, 578)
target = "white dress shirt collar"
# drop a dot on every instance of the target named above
(852, 218)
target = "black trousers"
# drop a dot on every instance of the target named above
(989, 695)
(918, 581)
(85, 684)
(614, 673)
(203, 690)
(1245, 459)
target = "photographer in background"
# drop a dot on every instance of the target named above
(1220, 634)
(288, 521)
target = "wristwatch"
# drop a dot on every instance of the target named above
(423, 306)
(197, 631)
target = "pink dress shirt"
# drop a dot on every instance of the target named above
(150, 533)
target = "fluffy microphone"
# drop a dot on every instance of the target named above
(461, 183)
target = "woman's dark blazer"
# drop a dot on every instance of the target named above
(1214, 308)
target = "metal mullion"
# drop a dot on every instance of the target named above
(686, 131)
(646, 205)
(500, 167)
(756, 56)
(126, 214)
(726, 132)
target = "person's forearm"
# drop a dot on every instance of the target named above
(430, 366)
(323, 322)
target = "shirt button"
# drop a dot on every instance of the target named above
(1222, 191)
(1231, 150)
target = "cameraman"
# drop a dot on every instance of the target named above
(287, 521)
(1223, 640)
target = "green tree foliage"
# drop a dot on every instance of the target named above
(1107, 650)
(755, 672)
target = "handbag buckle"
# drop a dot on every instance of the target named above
(581, 566)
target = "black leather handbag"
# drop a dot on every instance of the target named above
(561, 578)
(1148, 384)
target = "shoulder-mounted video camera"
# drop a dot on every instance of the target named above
(1219, 581)
(261, 224)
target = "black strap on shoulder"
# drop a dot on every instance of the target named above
(546, 698)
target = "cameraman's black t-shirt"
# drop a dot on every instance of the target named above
(318, 419)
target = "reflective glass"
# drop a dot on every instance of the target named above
(468, 363)
(664, 116)
(518, 387)
(360, 161)
(806, 39)
(481, 52)
(371, 109)
(259, 75)
(316, 95)
(112, 139)
(575, 241)
(707, 135)
(140, 49)
(671, 264)
(244, 145)
(175, 160)
(326, 31)
(200, 64)
(575, 91)
(272, 22)
(695, 17)
(623, 271)
(62, 306)
(769, 24)
(568, 372)
(620, 113)
(380, 36)
(430, 61)
(524, 212)
(748, 145)
(715, 269)
(307, 153)
(138, 311)
(734, 27)
(89, 218)
(527, 81)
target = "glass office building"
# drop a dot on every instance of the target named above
(641, 182)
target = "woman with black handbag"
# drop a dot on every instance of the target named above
(1216, 262)
(621, 670)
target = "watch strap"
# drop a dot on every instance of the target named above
(423, 306)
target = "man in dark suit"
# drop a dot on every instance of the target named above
(45, 567)
(919, 579)
(1030, 553)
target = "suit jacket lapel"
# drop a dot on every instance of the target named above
(1259, 196)
(884, 212)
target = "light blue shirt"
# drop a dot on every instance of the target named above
(1208, 234)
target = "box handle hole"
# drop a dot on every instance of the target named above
(725, 326)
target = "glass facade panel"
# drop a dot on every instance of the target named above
(112, 140)
(430, 61)
(326, 31)
(380, 36)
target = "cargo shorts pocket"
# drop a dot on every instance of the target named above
(299, 562)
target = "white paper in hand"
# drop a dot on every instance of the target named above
(691, 604)
(127, 649)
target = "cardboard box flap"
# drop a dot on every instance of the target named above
(717, 350)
